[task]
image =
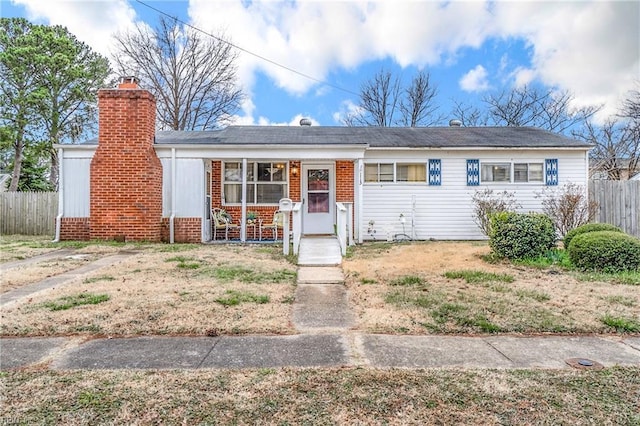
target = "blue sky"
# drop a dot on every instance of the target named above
(591, 49)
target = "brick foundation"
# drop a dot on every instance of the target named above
(185, 229)
(74, 229)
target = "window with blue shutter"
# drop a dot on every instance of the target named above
(435, 172)
(473, 172)
(551, 171)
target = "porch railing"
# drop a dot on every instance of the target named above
(342, 227)
(296, 214)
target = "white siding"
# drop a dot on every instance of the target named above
(76, 182)
(190, 195)
(445, 212)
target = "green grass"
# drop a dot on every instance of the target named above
(620, 300)
(69, 302)
(533, 294)
(626, 278)
(185, 262)
(226, 273)
(234, 298)
(407, 280)
(403, 298)
(472, 276)
(555, 257)
(621, 324)
(98, 279)
(366, 281)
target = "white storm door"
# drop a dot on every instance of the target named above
(319, 198)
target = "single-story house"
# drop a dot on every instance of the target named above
(134, 183)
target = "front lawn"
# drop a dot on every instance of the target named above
(456, 287)
(322, 396)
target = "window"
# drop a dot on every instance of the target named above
(496, 172)
(510, 172)
(527, 172)
(378, 172)
(411, 173)
(266, 182)
(390, 172)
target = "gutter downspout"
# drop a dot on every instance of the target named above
(60, 196)
(173, 196)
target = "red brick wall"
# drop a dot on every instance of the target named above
(185, 229)
(74, 229)
(126, 174)
(294, 181)
(344, 181)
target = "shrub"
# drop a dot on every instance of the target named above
(589, 227)
(568, 207)
(487, 203)
(521, 236)
(607, 251)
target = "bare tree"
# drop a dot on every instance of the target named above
(192, 75)
(616, 150)
(469, 116)
(544, 108)
(418, 107)
(384, 103)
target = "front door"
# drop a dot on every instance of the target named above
(319, 198)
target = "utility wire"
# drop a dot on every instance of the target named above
(317, 80)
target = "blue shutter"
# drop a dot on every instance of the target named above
(473, 172)
(551, 171)
(435, 172)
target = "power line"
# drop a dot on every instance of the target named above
(307, 76)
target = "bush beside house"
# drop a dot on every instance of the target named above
(520, 236)
(589, 227)
(607, 251)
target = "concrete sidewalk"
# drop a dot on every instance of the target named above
(319, 350)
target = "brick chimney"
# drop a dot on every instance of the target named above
(126, 174)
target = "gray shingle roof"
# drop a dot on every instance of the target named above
(376, 137)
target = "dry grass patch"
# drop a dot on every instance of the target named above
(177, 291)
(447, 287)
(322, 396)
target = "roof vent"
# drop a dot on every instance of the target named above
(305, 122)
(455, 123)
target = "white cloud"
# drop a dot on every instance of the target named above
(475, 80)
(347, 108)
(591, 49)
(92, 22)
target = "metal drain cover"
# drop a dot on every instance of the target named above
(584, 364)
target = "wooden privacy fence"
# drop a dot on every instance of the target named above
(28, 213)
(618, 203)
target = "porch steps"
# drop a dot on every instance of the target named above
(319, 251)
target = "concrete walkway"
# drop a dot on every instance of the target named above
(321, 301)
(18, 294)
(319, 350)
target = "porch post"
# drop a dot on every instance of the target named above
(359, 178)
(243, 216)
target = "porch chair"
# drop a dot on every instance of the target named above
(222, 220)
(277, 222)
